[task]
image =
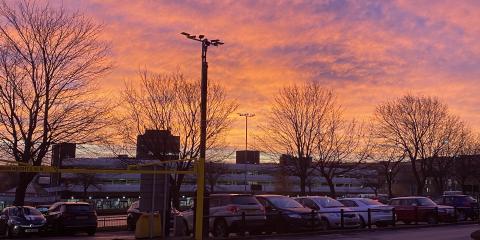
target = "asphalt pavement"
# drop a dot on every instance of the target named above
(451, 232)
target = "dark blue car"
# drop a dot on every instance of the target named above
(284, 214)
(466, 206)
(21, 220)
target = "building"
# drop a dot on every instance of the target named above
(247, 157)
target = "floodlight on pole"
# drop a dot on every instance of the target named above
(246, 115)
(201, 229)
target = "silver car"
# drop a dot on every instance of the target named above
(330, 212)
(225, 215)
(380, 214)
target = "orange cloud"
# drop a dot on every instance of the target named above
(368, 51)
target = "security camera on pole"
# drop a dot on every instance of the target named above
(201, 208)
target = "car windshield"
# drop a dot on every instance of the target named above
(327, 202)
(371, 202)
(284, 202)
(24, 211)
(244, 200)
(79, 208)
(426, 202)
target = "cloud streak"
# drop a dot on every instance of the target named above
(368, 51)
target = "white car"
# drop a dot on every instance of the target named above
(381, 215)
(330, 212)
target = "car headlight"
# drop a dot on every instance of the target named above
(14, 222)
(294, 215)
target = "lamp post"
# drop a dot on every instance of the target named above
(201, 209)
(246, 115)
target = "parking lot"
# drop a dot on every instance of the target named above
(451, 232)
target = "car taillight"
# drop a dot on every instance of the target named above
(233, 209)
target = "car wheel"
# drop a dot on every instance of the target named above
(130, 226)
(8, 232)
(220, 228)
(91, 232)
(362, 222)
(381, 225)
(186, 231)
(255, 232)
(324, 224)
(432, 220)
(461, 216)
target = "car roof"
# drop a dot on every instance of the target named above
(411, 197)
(19, 207)
(229, 194)
(269, 195)
(73, 203)
(355, 199)
(314, 197)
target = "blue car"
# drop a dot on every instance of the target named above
(466, 206)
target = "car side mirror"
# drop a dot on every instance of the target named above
(268, 208)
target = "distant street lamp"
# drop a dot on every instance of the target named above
(200, 229)
(246, 115)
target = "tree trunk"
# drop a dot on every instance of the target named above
(303, 184)
(175, 191)
(331, 185)
(389, 186)
(418, 180)
(23, 180)
(85, 188)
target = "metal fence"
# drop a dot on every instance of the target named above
(112, 222)
(317, 221)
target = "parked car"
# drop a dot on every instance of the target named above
(381, 215)
(465, 205)
(133, 213)
(43, 209)
(284, 214)
(329, 210)
(72, 216)
(16, 221)
(226, 214)
(420, 209)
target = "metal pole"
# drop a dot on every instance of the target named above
(165, 215)
(246, 152)
(153, 201)
(199, 230)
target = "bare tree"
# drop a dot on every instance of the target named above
(388, 163)
(340, 149)
(421, 127)
(293, 127)
(49, 62)
(213, 172)
(169, 101)
(87, 180)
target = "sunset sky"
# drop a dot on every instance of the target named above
(367, 51)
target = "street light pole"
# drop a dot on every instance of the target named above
(201, 208)
(246, 115)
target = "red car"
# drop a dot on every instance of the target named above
(421, 209)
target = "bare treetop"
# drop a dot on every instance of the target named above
(50, 61)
